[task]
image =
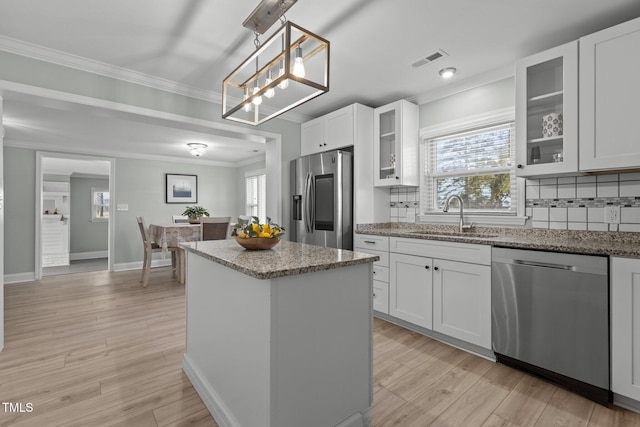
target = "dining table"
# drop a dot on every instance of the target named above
(170, 236)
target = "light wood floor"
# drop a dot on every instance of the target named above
(94, 349)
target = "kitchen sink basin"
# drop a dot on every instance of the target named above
(454, 233)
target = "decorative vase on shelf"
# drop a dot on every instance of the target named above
(552, 124)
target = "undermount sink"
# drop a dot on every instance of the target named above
(454, 233)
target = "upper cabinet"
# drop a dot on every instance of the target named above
(547, 112)
(395, 155)
(609, 93)
(329, 132)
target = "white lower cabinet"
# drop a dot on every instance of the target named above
(462, 301)
(377, 245)
(411, 289)
(625, 327)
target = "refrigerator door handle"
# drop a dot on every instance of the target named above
(307, 203)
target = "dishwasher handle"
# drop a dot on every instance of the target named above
(545, 265)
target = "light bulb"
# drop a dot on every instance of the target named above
(247, 106)
(258, 99)
(270, 92)
(285, 83)
(298, 65)
(447, 73)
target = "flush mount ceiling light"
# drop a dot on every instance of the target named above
(290, 68)
(447, 73)
(197, 149)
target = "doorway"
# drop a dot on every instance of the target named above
(73, 221)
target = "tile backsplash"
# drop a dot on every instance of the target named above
(577, 203)
(405, 204)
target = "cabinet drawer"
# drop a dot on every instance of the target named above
(379, 243)
(381, 296)
(465, 252)
(380, 273)
(384, 256)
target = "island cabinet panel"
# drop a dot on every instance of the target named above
(462, 301)
(411, 289)
(287, 351)
(609, 92)
(625, 327)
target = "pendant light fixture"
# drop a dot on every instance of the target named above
(298, 58)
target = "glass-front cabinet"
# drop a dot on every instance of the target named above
(547, 112)
(396, 145)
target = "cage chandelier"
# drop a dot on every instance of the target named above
(289, 69)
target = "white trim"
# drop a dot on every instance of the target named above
(454, 218)
(88, 255)
(221, 414)
(19, 278)
(472, 82)
(137, 265)
(76, 62)
(468, 123)
(250, 160)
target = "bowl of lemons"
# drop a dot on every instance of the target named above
(253, 235)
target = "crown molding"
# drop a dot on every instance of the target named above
(80, 63)
(465, 84)
(65, 59)
(64, 149)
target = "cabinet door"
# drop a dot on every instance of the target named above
(462, 301)
(339, 129)
(312, 136)
(547, 112)
(395, 151)
(410, 289)
(625, 327)
(609, 93)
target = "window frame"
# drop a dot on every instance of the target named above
(95, 218)
(247, 206)
(466, 124)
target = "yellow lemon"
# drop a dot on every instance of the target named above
(242, 234)
(266, 228)
(264, 234)
(255, 227)
(276, 231)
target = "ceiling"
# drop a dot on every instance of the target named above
(196, 43)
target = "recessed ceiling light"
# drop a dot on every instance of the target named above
(447, 73)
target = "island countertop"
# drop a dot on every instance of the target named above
(285, 259)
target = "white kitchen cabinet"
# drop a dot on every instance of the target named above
(329, 132)
(377, 245)
(395, 160)
(462, 301)
(625, 327)
(609, 93)
(547, 93)
(411, 289)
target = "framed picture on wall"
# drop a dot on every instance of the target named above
(181, 188)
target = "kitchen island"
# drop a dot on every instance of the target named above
(281, 337)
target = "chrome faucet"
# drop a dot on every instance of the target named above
(463, 226)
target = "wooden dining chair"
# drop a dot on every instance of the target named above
(149, 248)
(179, 219)
(214, 228)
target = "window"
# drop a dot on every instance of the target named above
(477, 164)
(99, 204)
(256, 189)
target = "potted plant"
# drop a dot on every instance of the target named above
(195, 213)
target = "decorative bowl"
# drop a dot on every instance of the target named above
(257, 243)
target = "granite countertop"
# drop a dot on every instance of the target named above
(579, 242)
(285, 259)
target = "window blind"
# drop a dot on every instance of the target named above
(478, 164)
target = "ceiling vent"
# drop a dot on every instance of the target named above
(435, 56)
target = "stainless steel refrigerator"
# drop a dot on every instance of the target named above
(322, 199)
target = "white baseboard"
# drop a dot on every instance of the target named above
(88, 255)
(19, 277)
(211, 400)
(137, 265)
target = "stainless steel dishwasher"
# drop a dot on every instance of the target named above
(550, 316)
